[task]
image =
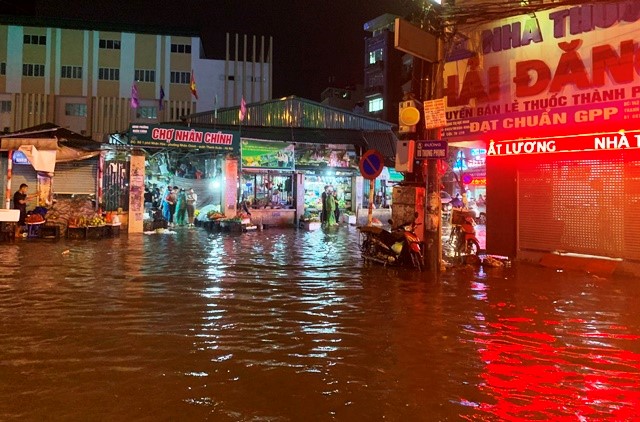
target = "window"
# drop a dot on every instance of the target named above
(35, 39)
(148, 112)
(108, 74)
(375, 80)
(5, 106)
(109, 44)
(145, 75)
(375, 104)
(79, 110)
(181, 48)
(180, 78)
(180, 111)
(71, 72)
(375, 56)
(3, 68)
(32, 69)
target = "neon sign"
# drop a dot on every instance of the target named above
(591, 142)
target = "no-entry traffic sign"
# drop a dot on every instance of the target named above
(371, 164)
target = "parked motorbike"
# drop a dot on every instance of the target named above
(463, 235)
(398, 247)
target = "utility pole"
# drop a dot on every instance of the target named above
(428, 48)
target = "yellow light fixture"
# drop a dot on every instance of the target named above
(409, 116)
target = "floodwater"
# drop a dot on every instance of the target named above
(287, 325)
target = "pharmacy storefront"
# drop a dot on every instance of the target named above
(555, 100)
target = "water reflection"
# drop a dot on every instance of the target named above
(287, 325)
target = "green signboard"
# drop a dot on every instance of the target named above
(154, 135)
(264, 154)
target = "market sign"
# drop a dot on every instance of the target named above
(154, 135)
(267, 154)
(592, 142)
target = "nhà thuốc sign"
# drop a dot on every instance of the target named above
(154, 135)
(591, 142)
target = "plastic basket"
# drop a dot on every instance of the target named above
(458, 216)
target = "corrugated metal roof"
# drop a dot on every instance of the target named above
(294, 119)
(289, 112)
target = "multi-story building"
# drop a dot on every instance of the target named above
(349, 98)
(84, 77)
(383, 65)
(95, 80)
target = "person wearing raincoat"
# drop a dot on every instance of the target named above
(181, 209)
(164, 205)
(331, 209)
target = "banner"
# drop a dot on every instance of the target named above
(153, 135)
(314, 155)
(264, 154)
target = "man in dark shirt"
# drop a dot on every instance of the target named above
(20, 199)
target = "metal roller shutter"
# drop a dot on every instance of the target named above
(574, 205)
(632, 209)
(76, 177)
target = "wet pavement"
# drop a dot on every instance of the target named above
(287, 325)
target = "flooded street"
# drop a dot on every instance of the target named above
(287, 325)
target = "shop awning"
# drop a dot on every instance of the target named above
(41, 160)
(46, 144)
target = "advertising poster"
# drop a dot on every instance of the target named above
(267, 155)
(313, 155)
(136, 193)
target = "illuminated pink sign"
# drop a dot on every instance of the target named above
(592, 142)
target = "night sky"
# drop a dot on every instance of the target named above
(317, 43)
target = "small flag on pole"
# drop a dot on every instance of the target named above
(192, 85)
(161, 101)
(243, 109)
(135, 102)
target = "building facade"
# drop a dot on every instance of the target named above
(84, 79)
(553, 97)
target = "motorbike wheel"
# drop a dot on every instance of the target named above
(473, 247)
(416, 260)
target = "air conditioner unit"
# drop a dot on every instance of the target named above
(405, 153)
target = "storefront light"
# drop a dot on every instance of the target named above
(215, 184)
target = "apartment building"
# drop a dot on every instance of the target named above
(84, 77)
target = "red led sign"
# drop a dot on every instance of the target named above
(591, 142)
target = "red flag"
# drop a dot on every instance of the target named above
(192, 85)
(243, 109)
(135, 102)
